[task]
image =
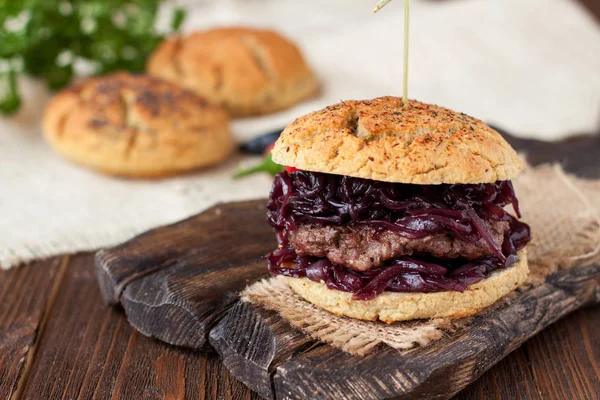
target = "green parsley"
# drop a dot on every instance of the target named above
(266, 165)
(45, 39)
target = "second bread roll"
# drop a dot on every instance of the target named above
(248, 71)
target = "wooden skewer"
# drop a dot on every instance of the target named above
(405, 72)
(379, 6)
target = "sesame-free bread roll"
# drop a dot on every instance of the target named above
(136, 126)
(390, 307)
(383, 139)
(248, 71)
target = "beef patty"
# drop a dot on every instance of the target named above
(361, 249)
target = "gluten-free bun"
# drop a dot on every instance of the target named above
(136, 126)
(383, 139)
(248, 71)
(391, 307)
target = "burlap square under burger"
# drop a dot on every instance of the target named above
(563, 213)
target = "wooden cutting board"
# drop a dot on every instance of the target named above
(178, 284)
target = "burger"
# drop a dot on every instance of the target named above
(396, 211)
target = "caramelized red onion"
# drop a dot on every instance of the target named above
(413, 211)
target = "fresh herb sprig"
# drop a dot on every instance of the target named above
(45, 39)
(266, 165)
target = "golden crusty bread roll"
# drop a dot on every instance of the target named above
(248, 71)
(136, 126)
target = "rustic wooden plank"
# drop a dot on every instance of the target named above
(547, 366)
(186, 274)
(191, 239)
(25, 294)
(89, 351)
(437, 371)
(184, 297)
(253, 341)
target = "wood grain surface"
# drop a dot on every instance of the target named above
(176, 282)
(25, 301)
(89, 351)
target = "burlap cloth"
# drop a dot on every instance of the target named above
(563, 213)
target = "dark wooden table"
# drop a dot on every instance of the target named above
(58, 341)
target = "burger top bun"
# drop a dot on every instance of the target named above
(384, 140)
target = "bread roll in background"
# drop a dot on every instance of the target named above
(248, 71)
(136, 126)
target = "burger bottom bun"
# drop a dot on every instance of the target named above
(391, 307)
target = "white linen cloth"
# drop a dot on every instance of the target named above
(531, 66)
